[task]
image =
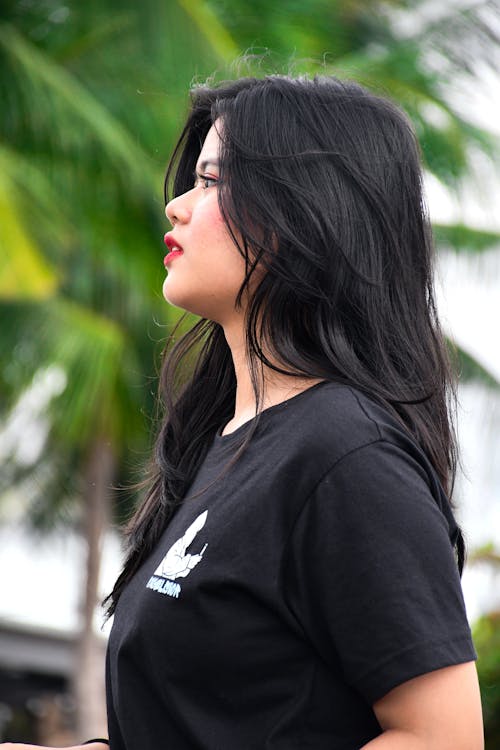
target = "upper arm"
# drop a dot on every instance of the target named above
(440, 708)
(371, 576)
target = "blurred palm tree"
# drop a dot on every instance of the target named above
(92, 100)
(93, 97)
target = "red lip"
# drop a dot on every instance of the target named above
(172, 245)
(170, 242)
(171, 256)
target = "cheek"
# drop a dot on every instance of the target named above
(211, 229)
(207, 209)
(217, 251)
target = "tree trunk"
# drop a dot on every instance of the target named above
(88, 683)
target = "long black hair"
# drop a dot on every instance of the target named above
(321, 186)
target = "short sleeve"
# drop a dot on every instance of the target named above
(370, 573)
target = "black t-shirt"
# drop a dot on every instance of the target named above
(291, 589)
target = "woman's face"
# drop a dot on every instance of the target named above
(205, 269)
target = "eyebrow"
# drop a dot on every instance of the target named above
(201, 167)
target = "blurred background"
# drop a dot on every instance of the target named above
(92, 99)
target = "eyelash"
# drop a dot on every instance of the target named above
(205, 182)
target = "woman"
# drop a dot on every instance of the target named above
(291, 579)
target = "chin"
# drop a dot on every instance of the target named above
(177, 300)
(215, 307)
(182, 300)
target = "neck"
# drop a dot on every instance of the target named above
(275, 387)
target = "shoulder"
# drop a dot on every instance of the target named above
(333, 420)
(349, 441)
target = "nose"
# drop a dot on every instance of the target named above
(178, 210)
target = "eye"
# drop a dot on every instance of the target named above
(204, 181)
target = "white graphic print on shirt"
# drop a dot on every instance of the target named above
(176, 563)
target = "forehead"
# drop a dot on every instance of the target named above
(211, 146)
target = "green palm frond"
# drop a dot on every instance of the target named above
(36, 197)
(477, 23)
(96, 37)
(465, 239)
(101, 366)
(470, 369)
(24, 272)
(66, 95)
(89, 348)
(211, 29)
